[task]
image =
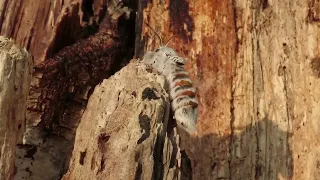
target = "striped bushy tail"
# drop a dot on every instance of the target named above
(183, 94)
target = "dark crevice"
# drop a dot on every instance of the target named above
(20, 5)
(171, 122)
(67, 32)
(265, 4)
(93, 162)
(138, 172)
(31, 152)
(82, 156)
(87, 9)
(237, 42)
(140, 41)
(128, 35)
(232, 116)
(102, 14)
(174, 153)
(2, 15)
(103, 139)
(258, 170)
(29, 40)
(186, 168)
(102, 164)
(149, 94)
(158, 167)
(144, 122)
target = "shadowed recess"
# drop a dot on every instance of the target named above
(180, 17)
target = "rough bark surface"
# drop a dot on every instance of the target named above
(15, 77)
(42, 156)
(204, 32)
(256, 66)
(74, 46)
(32, 23)
(122, 132)
(63, 83)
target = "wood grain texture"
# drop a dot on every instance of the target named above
(204, 32)
(32, 23)
(67, 77)
(256, 66)
(122, 132)
(62, 84)
(15, 78)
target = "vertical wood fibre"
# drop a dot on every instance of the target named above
(256, 67)
(15, 77)
(204, 33)
(32, 24)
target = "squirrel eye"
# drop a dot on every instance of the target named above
(157, 50)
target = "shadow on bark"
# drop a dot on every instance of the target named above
(259, 151)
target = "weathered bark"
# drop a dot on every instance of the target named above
(255, 65)
(205, 33)
(122, 133)
(75, 45)
(31, 23)
(15, 78)
(42, 156)
(250, 61)
(63, 83)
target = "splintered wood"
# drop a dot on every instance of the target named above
(15, 77)
(62, 84)
(122, 132)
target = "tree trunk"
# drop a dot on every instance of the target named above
(33, 23)
(15, 77)
(255, 65)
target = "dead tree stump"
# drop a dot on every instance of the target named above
(255, 65)
(122, 134)
(15, 78)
